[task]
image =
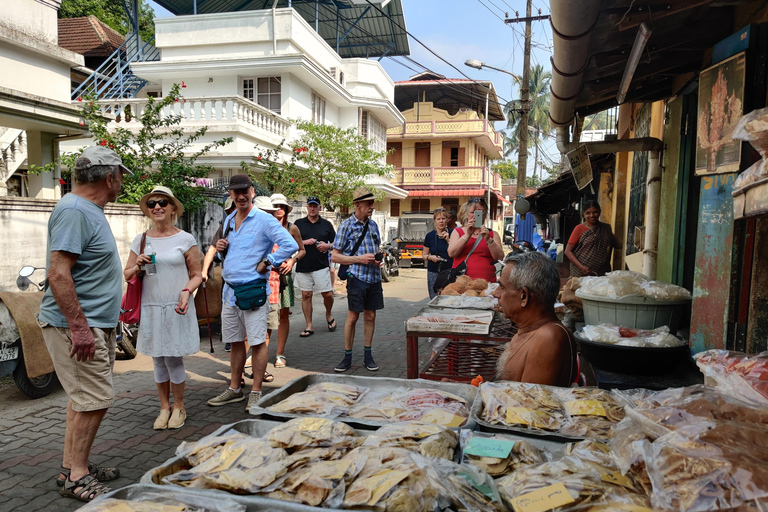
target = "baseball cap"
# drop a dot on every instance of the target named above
(99, 155)
(240, 182)
(313, 200)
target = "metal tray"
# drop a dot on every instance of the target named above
(555, 448)
(251, 503)
(465, 391)
(445, 301)
(456, 328)
(475, 415)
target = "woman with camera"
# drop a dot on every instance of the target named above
(473, 239)
(436, 249)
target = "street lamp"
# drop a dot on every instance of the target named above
(480, 65)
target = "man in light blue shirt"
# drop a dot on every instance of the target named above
(246, 249)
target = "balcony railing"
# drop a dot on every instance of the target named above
(465, 176)
(206, 110)
(468, 127)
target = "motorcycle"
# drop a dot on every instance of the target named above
(389, 264)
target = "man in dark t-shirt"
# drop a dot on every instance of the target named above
(312, 272)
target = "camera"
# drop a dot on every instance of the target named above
(379, 256)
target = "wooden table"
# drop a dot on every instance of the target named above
(501, 331)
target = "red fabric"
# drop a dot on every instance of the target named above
(577, 232)
(131, 302)
(481, 264)
(274, 284)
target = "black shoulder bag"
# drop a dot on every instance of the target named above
(449, 275)
(343, 269)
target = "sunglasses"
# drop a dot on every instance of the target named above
(436, 210)
(152, 203)
(476, 200)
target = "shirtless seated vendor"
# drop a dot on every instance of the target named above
(542, 351)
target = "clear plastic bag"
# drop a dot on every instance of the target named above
(625, 283)
(168, 501)
(735, 373)
(428, 439)
(591, 412)
(520, 453)
(630, 337)
(461, 487)
(403, 404)
(753, 128)
(324, 399)
(521, 405)
(302, 433)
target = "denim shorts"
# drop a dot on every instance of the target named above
(362, 296)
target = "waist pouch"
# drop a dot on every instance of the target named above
(250, 295)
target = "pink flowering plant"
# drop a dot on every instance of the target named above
(159, 152)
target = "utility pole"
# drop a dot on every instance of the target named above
(522, 151)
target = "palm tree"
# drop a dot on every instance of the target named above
(539, 126)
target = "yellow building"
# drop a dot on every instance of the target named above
(442, 154)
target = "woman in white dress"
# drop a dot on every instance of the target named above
(168, 329)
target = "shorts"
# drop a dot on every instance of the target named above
(318, 281)
(238, 324)
(362, 296)
(88, 384)
(273, 318)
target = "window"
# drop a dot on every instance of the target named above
(318, 109)
(395, 154)
(422, 153)
(394, 207)
(453, 155)
(420, 205)
(374, 131)
(265, 91)
(154, 94)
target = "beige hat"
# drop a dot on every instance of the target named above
(278, 199)
(229, 204)
(263, 203)
(161, 191)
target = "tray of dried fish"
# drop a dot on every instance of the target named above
(463, 301)
(527, 409)
(501, 454)
(369, 402)
(159, 498)
(453, 321)
(591, 412)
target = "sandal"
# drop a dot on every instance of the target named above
(98, 472)
(280, 362)
(268, 377)
(331, 324)
(85, 489)
(306, 333)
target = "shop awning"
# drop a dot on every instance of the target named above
(474, 192)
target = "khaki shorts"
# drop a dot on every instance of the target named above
(238, 324)
(318, 281)
(273, 318)
(88, 384)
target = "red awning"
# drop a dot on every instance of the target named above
(503, 199)
(448, 192)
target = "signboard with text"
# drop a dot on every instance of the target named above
(580, 166)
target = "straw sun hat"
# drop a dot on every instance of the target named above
(161, 191)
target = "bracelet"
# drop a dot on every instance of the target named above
(186, 290)
(490, 241)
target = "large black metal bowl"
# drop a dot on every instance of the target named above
(632, 360)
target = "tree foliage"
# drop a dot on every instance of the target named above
(112, 13)
(326, 161)
(507, 169)
(158, 153)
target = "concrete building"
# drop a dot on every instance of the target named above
(442, 154)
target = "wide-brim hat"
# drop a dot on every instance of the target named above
(161, 191)
(263, 203)
(280, 199)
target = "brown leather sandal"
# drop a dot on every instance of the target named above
(100, 473)
(85, 489)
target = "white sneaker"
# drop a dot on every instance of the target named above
(253, 398)
(248, 363)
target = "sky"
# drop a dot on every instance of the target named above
(458, 30)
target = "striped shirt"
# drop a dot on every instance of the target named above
(346, 238)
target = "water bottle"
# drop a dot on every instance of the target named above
(150, 268)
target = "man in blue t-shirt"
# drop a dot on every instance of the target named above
(79, 313)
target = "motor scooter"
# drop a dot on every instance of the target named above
(390, 267)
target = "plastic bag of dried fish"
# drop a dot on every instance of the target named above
(714, 465)
(591, 412)
(243, 466)
(197, 452)
(463, 488)
(302, 433)
(323, 399)
(389, 479)
(170, 501)
(499, 455)
(403, 404)
(318, 483)
(613, 502)
(568, 482)
(599, 455)
(521, 405)
(428, 439)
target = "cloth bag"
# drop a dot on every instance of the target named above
(131, 303)
(449, 275)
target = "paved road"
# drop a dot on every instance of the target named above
(32, 431)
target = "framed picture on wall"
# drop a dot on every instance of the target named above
(721, 98)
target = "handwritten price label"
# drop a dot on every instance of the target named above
(525, 416)
(442, 417)
(585, 408)
(487, 447)
(546, 498)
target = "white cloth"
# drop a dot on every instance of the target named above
(162, 331)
